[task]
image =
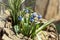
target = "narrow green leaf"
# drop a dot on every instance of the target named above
(44, 26)
(16, 28)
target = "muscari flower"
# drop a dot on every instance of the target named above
(26, 10)
(20, 18)
(34, 14)
(32, 19)
(39, 16)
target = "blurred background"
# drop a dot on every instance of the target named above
(47, 8)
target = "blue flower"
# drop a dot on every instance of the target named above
(26, 10)
(31, 19)
(39, 16)
(20, 18)
(34, 14)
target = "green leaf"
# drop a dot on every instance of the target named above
(39, 38)
(22, 1)
(16, 28)
(44, 26)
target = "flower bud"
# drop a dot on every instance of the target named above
(39, 16)
(20, 18)
(26, 10)
(34, 14)
(31, 19)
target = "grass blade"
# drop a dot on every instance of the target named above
(44, 26)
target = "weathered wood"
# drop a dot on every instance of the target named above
(48, 8)
(41, 6)
(59, 9)
(52, 9)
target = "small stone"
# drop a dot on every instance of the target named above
(20, 35)
(22, 39)
(49, 39)
(14, 37)
(25, 37)
(8, 25)
(6, 37)
(43, 35)
(52, 29)
(29, 39)
(7, 13)
(2, 24)
(8, 31)
(53, 35)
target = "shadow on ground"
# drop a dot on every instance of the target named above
(58, 26)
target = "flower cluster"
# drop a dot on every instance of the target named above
(32, 16)
(27, 23)
(24, 21)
